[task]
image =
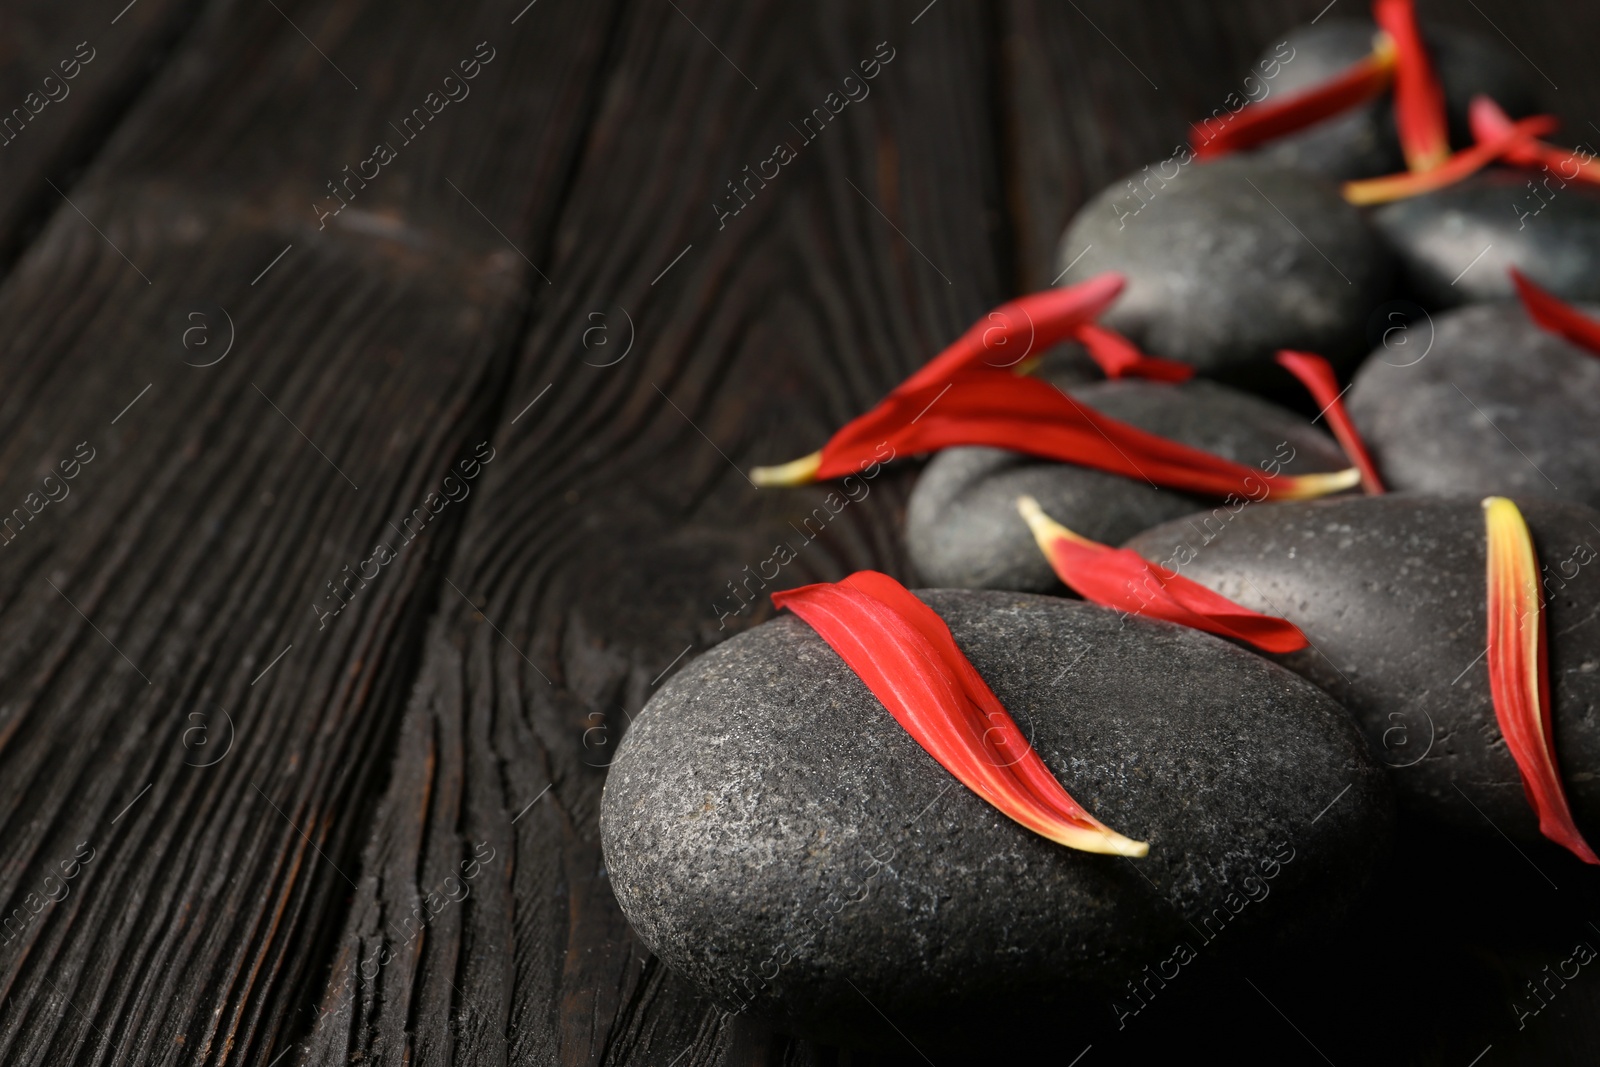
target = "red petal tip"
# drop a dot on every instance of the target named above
(1119, 357)
(1551, 313)
(1317, 376)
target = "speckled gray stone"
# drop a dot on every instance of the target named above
(962, 525)
(1497, 405)
(1229, 261)
(1362, 143)
(779, 840)
(1438, 236)
(1391, 592)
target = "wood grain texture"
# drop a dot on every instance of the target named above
(604, 538)
(143, 615)
(68, 75)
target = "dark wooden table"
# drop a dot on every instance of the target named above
(489, 285)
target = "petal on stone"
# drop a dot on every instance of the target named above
(1317, 376)
(1489, 122)
(1519, 672)
(1257, 123)
(1419, 107)
(907, 657)
(1020, 328)
(1551, 313)
(1004, 410)
(1122, 579)
(1463, 164)
(1119, 357)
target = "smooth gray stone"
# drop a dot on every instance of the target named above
(1439, 235)
(1362, 143)
(779, 840)
(1495, 405)
(962, 525)
(1391, 593)
(1229, 261)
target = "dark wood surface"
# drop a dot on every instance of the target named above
(541, 275)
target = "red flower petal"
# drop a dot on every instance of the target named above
(1119, 357)
(984, 407)
(1121, 578)
(1258, 123)
(1419, 108)
(1489, 123)
(1318, 378)
(1551, 313)
(1519, 672)
(1029, 324)
(1487, 119)
(908, 659)
(1463, 164)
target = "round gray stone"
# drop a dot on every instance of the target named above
(1391, 592)
(1439, 237)
(962, 525)
(1227, 262)
(779, 840)
(1495, 405)
(1362, 143)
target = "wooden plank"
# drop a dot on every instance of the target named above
(599, 557)
(263, 395)
(67, 76)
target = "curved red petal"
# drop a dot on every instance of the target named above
(1317, 376)
(1463, 164)
(1519, 672)
(1026, 326)
(1119, 357)
(1489, 123)
(907, 657)
(1419, 107)
(1121, 578)
(1555, 315)
(1033, 417)
(1258, 123)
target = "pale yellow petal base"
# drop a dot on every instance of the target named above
(796, 472)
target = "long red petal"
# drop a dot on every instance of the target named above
(1551, 313)
(1317, 376)
(1419, 108)
(1119, 357)
(1490, 122)
(1121, 578)
(1258, 123)
(1519, 672)
(1463, 164)
(1026, 415)
(1018, 328)
(907, 657)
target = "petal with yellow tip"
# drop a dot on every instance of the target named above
(1121, 578)
(1519, 671)
(907, 657)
